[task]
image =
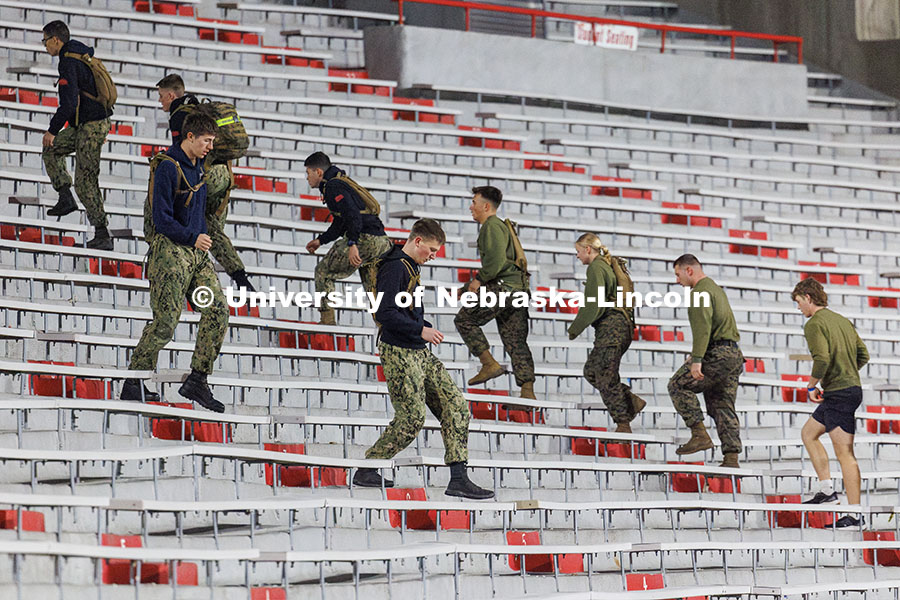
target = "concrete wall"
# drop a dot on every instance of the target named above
(413, 55)
(828, 29)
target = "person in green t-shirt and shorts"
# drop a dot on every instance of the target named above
(838, 354)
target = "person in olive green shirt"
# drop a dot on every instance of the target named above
(613, 332)
(713, 368)
(498, 273)
(838, 354)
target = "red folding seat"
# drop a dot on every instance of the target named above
(792, 394)
(424, 519)
(876, 301)
(615, 191)
(31, 520)
(644, 581)
(541, 563)
(886, 557)
(875, 426)
(301, 476)
(178, 429)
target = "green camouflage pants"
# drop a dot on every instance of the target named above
(416, 379)
(85, 141)
(219, 181)
(722, 366)
(612, 338)
(336, 264)
(175, 271)
(513, 326)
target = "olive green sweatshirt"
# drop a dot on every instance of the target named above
(837, 351)
(498, 255)
(710, 323)
(599, 275)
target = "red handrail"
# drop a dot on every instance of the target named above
(535, 13)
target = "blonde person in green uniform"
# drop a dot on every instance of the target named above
(713, 367)
(838, 354)
(612, 334)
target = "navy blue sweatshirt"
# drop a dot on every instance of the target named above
(181, 224)
(177, 117)
(345, 206)
(399, 326)
(76, 77)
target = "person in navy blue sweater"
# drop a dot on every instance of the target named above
(357, 232)
(179, 264)
(88, 124)
(416, 378)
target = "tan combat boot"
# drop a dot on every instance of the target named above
(731, 461)
(623, 428)
(527, 391)
(490, 368)
(327, 317)
(638, 404)
(699, 441)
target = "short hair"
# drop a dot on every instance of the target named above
(812, 288)
(57, 29)
(428, 229)
(489, 193)
(317, 160)
(687, 260)
(199, 123)
(172, 81)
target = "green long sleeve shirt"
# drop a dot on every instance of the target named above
(599, 275)
(498, 255)
(838, 352)
(711, 323)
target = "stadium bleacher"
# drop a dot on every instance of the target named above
(112, 499)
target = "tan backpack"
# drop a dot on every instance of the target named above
(520, 261)
(623, 280)
(106, 88)
(372, 205)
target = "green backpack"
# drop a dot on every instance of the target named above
(232, 140)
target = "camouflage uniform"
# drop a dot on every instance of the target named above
(612, 338)
(336, 264)
(416, 379)
(174, 272)
(722, 366)
(85, 141)
(512, 323)
(219, 182)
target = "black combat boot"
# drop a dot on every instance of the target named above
(196, 390)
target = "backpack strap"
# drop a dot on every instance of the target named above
(159, 159)
(520, 260)
(85, 59)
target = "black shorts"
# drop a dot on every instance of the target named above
(837, 409)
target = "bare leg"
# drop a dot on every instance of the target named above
(810, 435)
(843, 449)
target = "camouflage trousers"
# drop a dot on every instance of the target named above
(219, 182)
(175, 271)
(513, 326)
(336, 264)
(722, 366)
(85, 141)
(416, 379)
(612, 338)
